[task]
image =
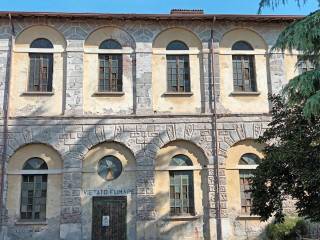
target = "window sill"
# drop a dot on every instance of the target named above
(30, 222)
(108, 94)
(245, 93)
(248, 217)
(183, 218)
(37, 94)
(178, 94)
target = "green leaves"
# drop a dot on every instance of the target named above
(291, 166)
(275, 3)
(305, 89)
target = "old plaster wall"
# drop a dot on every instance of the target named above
(20, 229)
(22, 103)
(97, 104)
(242, 226)
(92, 181)
(162, 102)
(244, 103)
(85, 121)
(183, 228)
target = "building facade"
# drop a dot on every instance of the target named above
(134, 126)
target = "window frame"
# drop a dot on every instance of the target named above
(32, 71)
(173, 176)
(38, 54)
(119, 86)
(244, 55)
(246, 170)
(36, 201)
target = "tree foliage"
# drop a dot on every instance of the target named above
(304, 36)
(291, 166)
(275, 3)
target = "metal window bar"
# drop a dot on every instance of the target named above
(244, 73)
(33, 197)
(181, 193)
(178, 73)
(110, 73)
(245, 191)
(41, 71)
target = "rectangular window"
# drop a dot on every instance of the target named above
(178, 73)
(181, 193)
(33, 197)
(40, 74)
(110, 72)
(244, 73)
(245, 191)
(305, 66)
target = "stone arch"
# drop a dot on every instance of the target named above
(243, 34)
(185, 35)
(30, 33)
(188, 148)
(231, 133)
(100, 34)
(44, 151)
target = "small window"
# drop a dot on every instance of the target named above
(181, 187)
(245, 180)
(178, 73)
(34, 191)
(110, 44)
(41, 43)
(41, 67)
(109, 168)
(244, 73)
(110, 72)
(177, 45)
(304, 66)
(242, 46)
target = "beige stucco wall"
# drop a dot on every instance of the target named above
(290, 66)
(173, 228)
(92, 181)
(240, 225)
(38, 105)
(107, 104)
(177, 104)
(95, 104)
(243, 103)
(16, 162)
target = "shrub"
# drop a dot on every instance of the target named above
(290, 229)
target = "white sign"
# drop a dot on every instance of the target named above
(105, 221)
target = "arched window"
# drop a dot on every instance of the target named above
(243, 68)
(247, 162)
(110, 65)
(242, 45)
(181, 187)
(34, 190)
(110, 44)
(178, 68)
(41, 43)
(177, 45)
(41, 67)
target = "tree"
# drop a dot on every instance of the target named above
(291, 166)
(304, 36)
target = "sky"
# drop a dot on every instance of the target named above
(153, 6)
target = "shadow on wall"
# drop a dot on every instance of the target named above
(72, 141)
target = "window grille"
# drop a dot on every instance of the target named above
(34, 191)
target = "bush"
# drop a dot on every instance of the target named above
(290, 229)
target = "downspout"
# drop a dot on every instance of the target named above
(6, 118)
(215, 138)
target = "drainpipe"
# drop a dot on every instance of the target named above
(215, 138)
(6, 118)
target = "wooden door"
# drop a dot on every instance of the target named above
(109, 218)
